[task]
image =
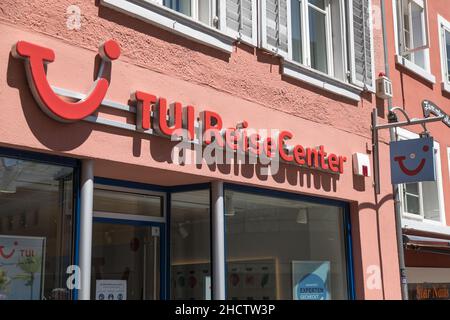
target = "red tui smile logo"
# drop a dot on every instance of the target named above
(35, 59)
(411, 172)
(5, 255)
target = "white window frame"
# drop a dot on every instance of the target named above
(448, 159)
(194, 8)
(424, 73)
(443, 26)
(306, 50)
(302, 70)
(159, 15)
(406, 135)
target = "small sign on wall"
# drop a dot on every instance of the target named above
(111, 290)
(361, 164)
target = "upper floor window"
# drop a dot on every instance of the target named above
(204, 11)
(315, 49)
(332, 37)
(412, 32)
(423, 200)
(447, 54)
(444, 41)
(236, 18)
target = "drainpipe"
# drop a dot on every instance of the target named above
(87, 198)
(397, 207)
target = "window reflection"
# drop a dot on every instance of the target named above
(36, 206)
(283, 249)
(190, 246)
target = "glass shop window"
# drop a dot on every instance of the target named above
(36, 224)
(190, 238)
(284, 249)
(107, 200)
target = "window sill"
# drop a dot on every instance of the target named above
(415, 69)
(425, 225)
(446, 87)
(173, 21)
(316, 79)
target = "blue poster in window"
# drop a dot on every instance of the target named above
(412, 161)
(311, 280)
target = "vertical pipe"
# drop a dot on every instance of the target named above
(218, 240)
(376, 152)
(87, 197)
(397, 207)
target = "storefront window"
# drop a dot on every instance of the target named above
(123, 202)
(190, 246)
(36, 219)
(283, 249)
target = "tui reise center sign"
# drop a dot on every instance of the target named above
(155, 116)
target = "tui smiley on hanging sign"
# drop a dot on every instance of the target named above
(412, 161)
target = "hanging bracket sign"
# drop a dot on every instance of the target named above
(430, 108)
(412, 161)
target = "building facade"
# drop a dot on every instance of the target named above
(419, 63)
(103, 102)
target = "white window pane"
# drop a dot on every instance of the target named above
(412, 188)
(430, 200)
(412, 204)
(318, 3)
(296, 31)
(318, 40)
(204, 11)
(447, 53)
(182, 6)
(411, 198)
(406, 24)
(418, 34)
(338, 41)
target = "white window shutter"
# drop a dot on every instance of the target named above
(275, 26)
(361, 44)
(238, 19)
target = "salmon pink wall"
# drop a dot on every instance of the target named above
(410, 90)
(243, 85)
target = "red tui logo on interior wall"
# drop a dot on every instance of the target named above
(36, 57)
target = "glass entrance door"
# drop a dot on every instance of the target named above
(125, 261)
(128, 247)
